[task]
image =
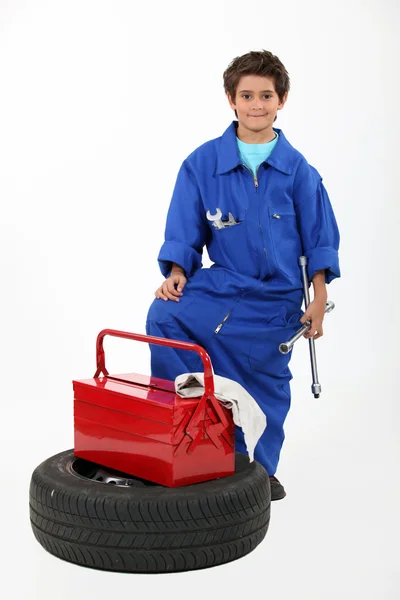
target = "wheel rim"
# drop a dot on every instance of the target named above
(85, 469)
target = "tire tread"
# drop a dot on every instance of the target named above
(72, 520)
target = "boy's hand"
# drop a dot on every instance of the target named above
(315, 312)
(167, 289)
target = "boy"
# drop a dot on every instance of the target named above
(257, 205)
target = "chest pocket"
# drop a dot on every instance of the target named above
(286, 241)
(233, 245)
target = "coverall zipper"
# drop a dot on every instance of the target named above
(259, 222)
(218, 328)
(255, 178)
(222, 322)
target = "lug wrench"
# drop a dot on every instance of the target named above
(316, 386)
(286, 347)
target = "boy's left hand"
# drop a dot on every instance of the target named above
(315, 313)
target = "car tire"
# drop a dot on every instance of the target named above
(116, 522)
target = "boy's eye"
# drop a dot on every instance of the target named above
(266, 95)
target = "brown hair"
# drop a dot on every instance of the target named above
(256, 63)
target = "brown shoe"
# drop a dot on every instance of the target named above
(277, 489)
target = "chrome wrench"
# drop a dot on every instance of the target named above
(316, 386)
(216, 219)
(286, 347)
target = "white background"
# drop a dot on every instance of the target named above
(100, 103)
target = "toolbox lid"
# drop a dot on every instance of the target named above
(131, 393)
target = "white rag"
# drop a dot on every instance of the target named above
(245, 411)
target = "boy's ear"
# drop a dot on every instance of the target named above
(231, 103)
(282, 104)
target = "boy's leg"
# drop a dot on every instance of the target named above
(167, 362)
(272, 394)
(192, 319)
(242, 351)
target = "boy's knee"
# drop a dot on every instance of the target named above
(161, 311)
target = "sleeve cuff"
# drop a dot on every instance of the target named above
(327, 259)
(182, 255)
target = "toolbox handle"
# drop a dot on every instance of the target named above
(150, 339)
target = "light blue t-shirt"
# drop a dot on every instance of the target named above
(254, 154)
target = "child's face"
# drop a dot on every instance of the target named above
(256, 102)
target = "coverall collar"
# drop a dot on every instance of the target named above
(229, 157)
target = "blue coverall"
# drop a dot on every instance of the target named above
(249, 301)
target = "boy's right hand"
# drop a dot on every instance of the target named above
(167, 289)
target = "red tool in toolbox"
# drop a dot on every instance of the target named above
(138, 425)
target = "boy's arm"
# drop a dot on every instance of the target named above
(177, 269)
(186, 227)
(317, 226)
(320, 292)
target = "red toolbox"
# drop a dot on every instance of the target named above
(138, 425)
